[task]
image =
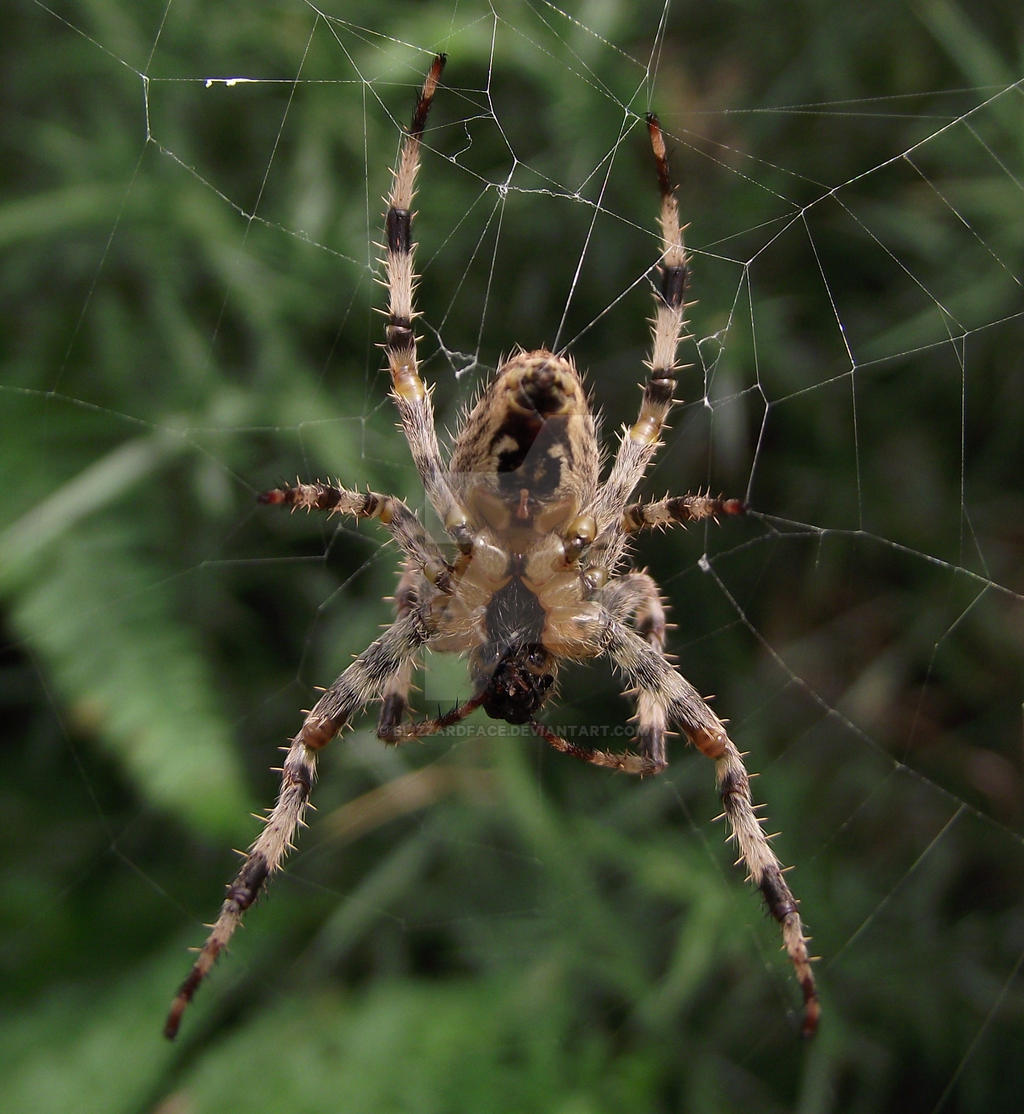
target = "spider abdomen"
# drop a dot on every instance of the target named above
(526, 456)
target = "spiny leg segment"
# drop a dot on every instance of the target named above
(635, 599)
(678, 509)
(394, 702)
(623, 761)
(364, 680)
(766, 871)
(394, 706)
(392, 513)
(407, 389)
(641, 440)
(648, 671)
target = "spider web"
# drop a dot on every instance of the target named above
(193, 318)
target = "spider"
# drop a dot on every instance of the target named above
(533, 575)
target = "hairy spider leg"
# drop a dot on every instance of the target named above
(635, 599)
(394, 703)
(364, 680)
(679, 704)
(640, 441)
(392, 513)
(411, 397)
(676, 509)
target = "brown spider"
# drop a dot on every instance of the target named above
(538, 543)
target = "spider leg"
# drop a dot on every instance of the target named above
(635, 599)
(395, 698)
(402, 523)
(404, 732)
(407, 389)
(364, 680)
(641, 440)
(679, 702)
(678, 509)
(623, 761)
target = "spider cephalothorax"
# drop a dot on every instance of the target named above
(533, 573)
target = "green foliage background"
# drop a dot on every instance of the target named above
(474, 924)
